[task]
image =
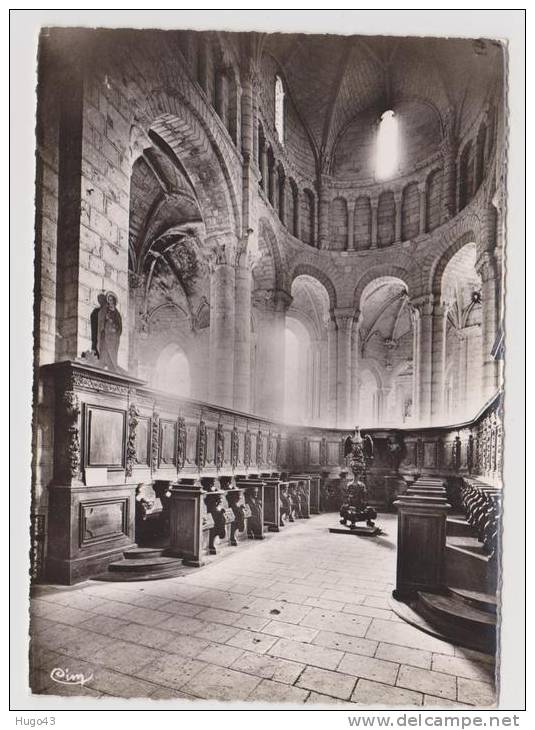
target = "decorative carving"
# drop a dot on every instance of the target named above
(181, 442)
(278, 451)
(456, 447)
(323, 452)
(133, 420)
(201, 445)
(270, 454)
(219, 446)
(71, 404)
(234, 447)
(247, 449)
(253, 499)
(259, 448)
(37, 552)
(84, 382)
(155, 441)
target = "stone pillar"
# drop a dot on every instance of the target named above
(462, 364)
(323, 381)
(264, 168)
(416, 323)
(222, 333)
(449, 149)
(487, 269)
(425, 307)
(355, 367)
(323, 214)
(421, 550)
(242, 338)
(332, 369)
(350, 225)
(297, 214)
(344, 322)
(221, 96)
(422, 190)
(282, 199)
(374, 207)
(398, 202)
(438, 357)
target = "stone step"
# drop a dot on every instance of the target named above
(461, 622)
(141, 553)
(483, 601)
(133, 565)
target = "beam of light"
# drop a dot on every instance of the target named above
(387, 150)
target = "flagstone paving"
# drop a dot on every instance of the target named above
(302, 617)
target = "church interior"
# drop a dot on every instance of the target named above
(268, 303)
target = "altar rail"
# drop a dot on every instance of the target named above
(113, 433)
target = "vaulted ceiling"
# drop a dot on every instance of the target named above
(332, 79)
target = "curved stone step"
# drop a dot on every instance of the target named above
(457, 609)
(483, 601)
(140, 565)
(141, 553)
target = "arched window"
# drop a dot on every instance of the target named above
(387, 149)
(279, 108)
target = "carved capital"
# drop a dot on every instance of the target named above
(486, 266)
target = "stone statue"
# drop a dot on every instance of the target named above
(106, 329)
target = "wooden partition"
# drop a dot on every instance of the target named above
(112, 433)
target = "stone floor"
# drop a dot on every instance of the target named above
(302, 617)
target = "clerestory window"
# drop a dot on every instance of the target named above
(279, 108)
(387, 146)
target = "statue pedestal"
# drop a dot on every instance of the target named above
(362, 530)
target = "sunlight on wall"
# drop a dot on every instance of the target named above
(387, 149)
(172, 373)
(295, 377)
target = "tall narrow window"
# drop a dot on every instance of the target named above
(279, 108)
(387, 151)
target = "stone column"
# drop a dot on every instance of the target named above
(487, 269)
(297, 214)
(422, 190)
(438, 356)
(398, 202)
(449, 149)
(323, 381)
(264, 168)
(222, 333)
(242, 337)
(350, 225)
(355, 367)
(332, 359)
(374, 207)
(415, 315)
(425, 308)
(344, 322)
(323, 214)
(282, 199)
(221, 96)
(462, 364)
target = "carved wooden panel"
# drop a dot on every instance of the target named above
(430, 454)
(333, 449)
(143, 431)
(314, 450)
(168, 443)
(102, 520)
(105, 442)
(191, 440)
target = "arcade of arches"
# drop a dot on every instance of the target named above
(276, 271)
